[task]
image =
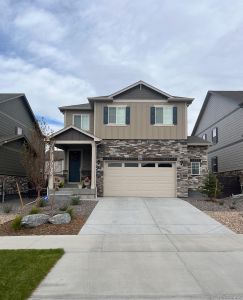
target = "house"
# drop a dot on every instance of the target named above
(132, 142)
(16, 122)
(221, 122)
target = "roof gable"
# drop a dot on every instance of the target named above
(216, 105)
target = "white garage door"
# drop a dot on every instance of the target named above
(142, 179)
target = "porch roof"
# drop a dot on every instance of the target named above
(73, 134)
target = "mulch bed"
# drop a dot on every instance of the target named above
(81, 214)
(231, 218)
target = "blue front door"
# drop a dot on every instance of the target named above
(74, 166)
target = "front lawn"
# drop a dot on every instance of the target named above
(21, 271)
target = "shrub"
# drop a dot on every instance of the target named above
(34, 210)
(61, 184)
(69, 210)
(64, 206)
(42, 202)
(211, 186)
(75, 201)
(16, 223)
(7, 209)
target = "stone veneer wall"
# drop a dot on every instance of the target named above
(145, 150)
(197, 153)
(10, 184)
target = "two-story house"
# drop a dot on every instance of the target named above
(16, 122)
(132, 143)
(220, 121)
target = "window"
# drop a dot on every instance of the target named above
(215, 135)
(164, 115)
(115, 165)
(195, 168)
(164, 165)
(214, 164)
(81, 121)
(117, 115)
(148, 165)
(131, 165)
(204, 137)
(19, 130)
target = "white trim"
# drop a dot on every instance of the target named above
(96, 139)
(84, 114)
(197, 162)
(74, 142)
(139, 83)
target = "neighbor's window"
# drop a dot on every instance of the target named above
(204, 137)
(19, 130)
(131, 165)
(81, 121)
(164, 165)
(214, 164)
(117, 115)
(215, 135)
(148, 165)
(164, 115)
(195, 168)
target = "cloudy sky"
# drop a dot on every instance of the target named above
(60, 52)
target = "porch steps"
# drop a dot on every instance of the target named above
(69, 193)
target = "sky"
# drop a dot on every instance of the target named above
(60, 52)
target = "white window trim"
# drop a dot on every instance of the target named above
(115, 124)
(81, 120)
(197, 162)
(161, 124)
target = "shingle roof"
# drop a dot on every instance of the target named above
(236, 95)
(10, 138)
(84, 106)
(195, 140)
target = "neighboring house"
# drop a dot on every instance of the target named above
(132, 143)
(221, 122)
(16, 122)
(58, 163)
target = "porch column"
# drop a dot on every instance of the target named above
(93, 166)
(51, 169)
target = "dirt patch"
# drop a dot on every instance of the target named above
(81, 214)
(223, 213)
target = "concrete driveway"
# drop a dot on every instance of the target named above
(130, 249)
(149, 216)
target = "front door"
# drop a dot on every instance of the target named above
(74, 166)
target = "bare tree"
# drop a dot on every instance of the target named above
(33, 157)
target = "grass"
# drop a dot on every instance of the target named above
(16, 223)
(34, 210)
(21, 271)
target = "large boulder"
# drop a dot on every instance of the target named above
(60, 219)
(34, 220)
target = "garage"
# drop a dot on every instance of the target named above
(141, 179)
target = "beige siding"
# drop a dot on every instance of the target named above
(68, 118)
(140, 127)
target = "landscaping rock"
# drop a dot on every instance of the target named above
(60, 219)
(34, 220)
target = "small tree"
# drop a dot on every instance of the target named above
(33, 156)
(211, 186)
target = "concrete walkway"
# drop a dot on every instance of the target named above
(150, 216)
(135, 262)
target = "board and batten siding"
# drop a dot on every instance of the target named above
(68, 118)
(140, 127)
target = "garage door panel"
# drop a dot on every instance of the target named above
(139, 181)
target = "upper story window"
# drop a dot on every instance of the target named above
(214, 164)
(116, 115)
(205, 137)
(215, 135)
(19, 130)
(163, 115)
(195, 168)
(81, 121)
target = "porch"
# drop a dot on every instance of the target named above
(79, 162)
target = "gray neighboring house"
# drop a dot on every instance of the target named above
(221, 122)
(16, 122)
(132, 142)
